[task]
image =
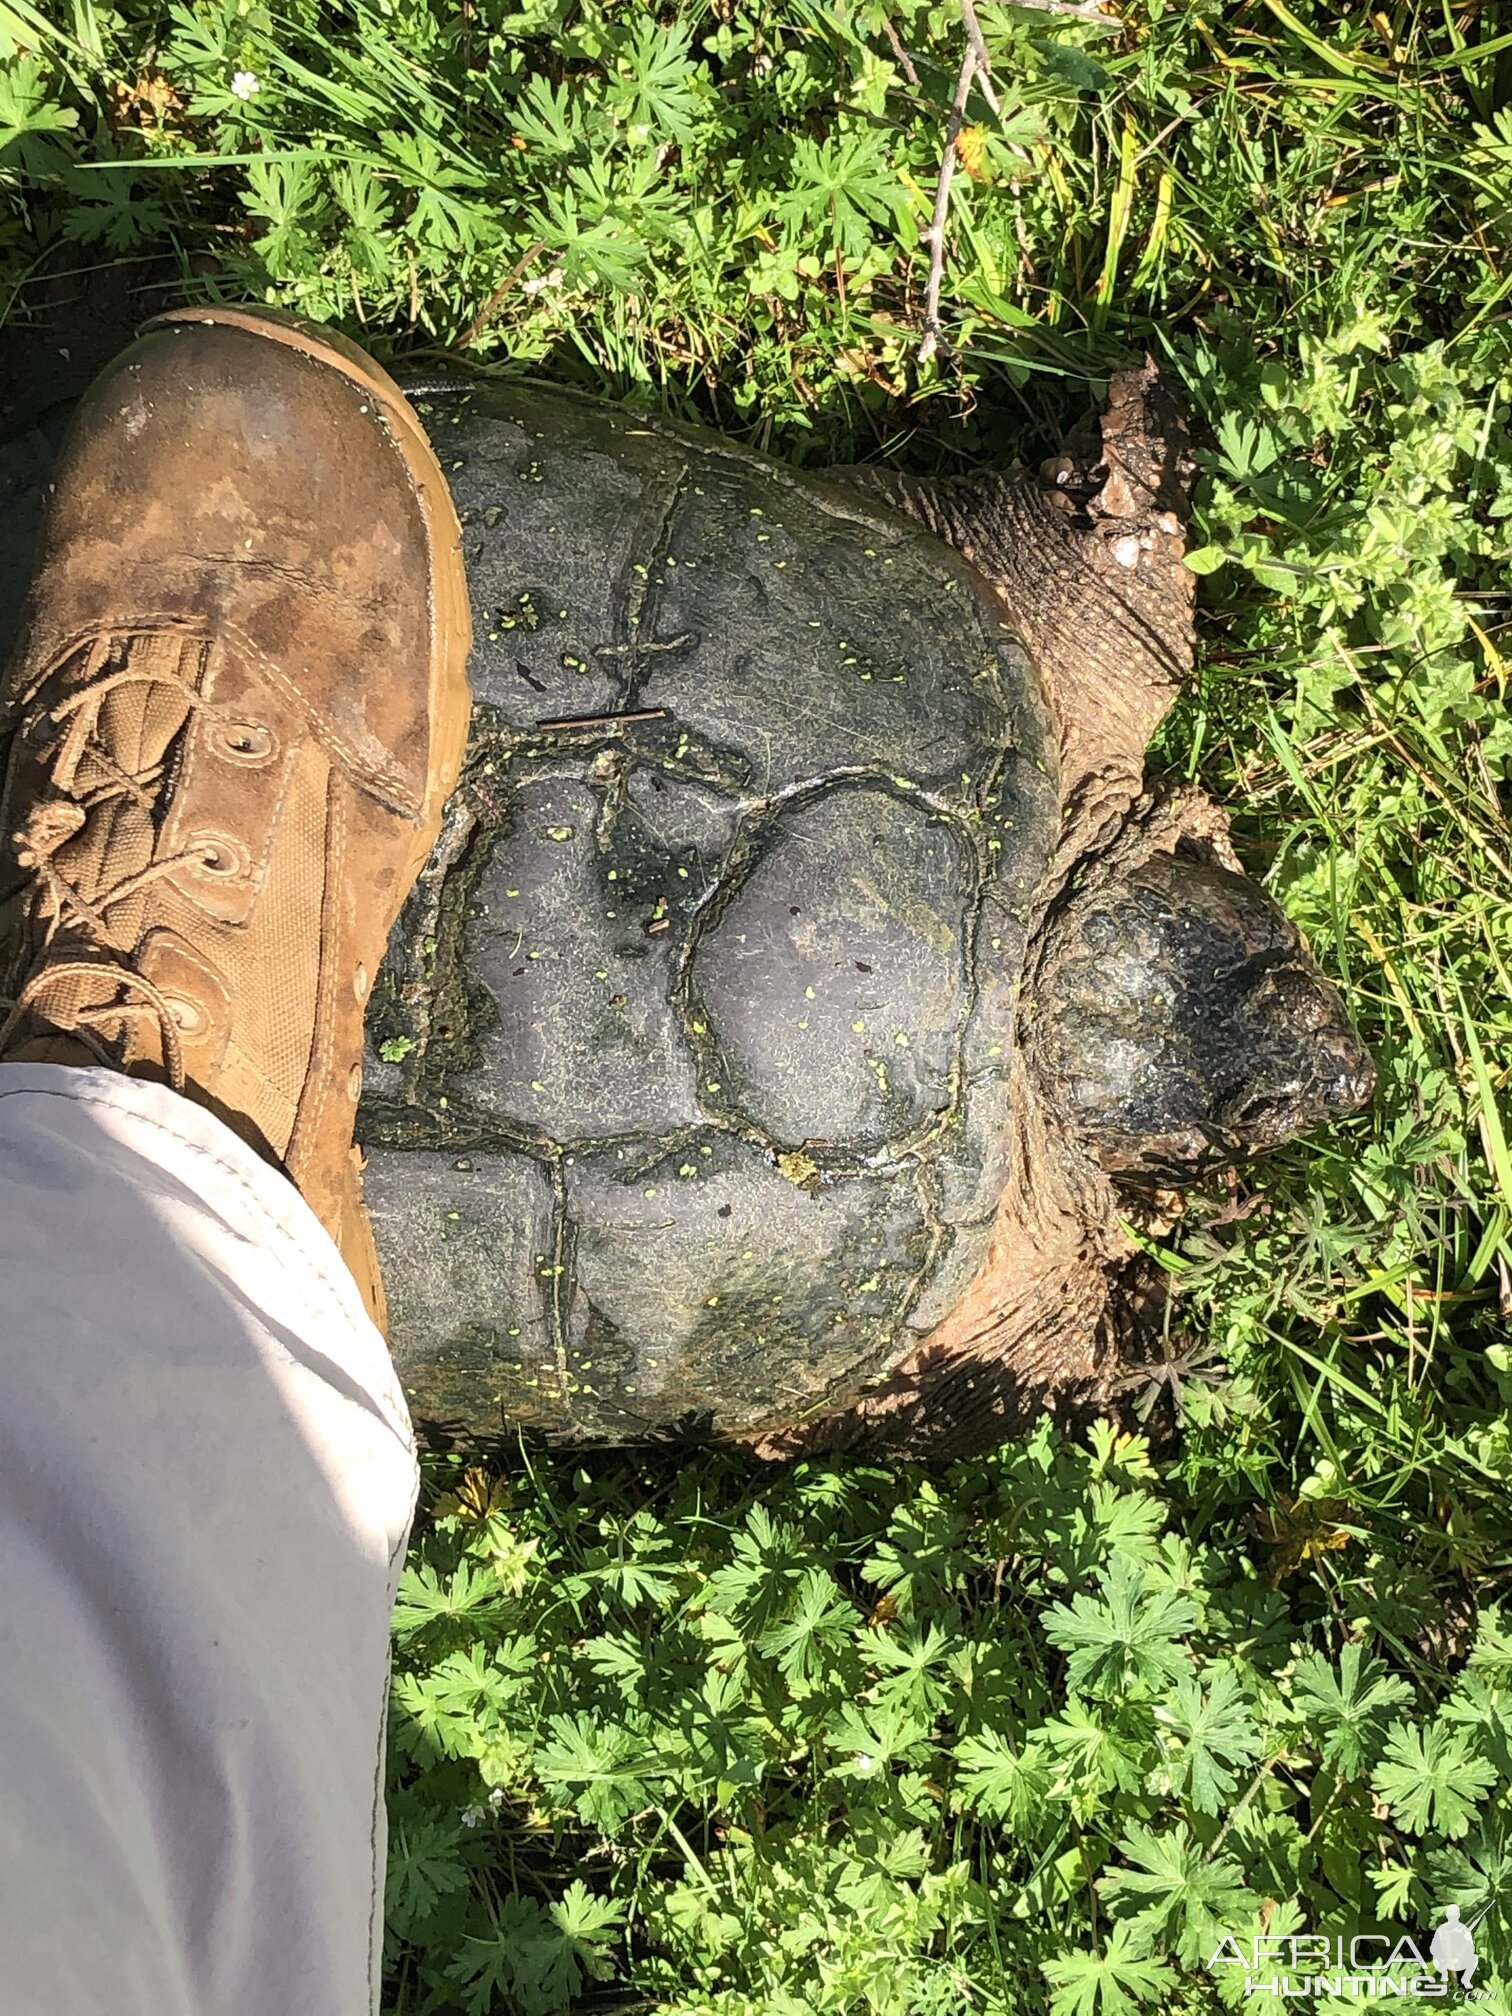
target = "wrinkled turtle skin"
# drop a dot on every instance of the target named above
(688, 1070)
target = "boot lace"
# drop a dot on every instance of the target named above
(91, 955)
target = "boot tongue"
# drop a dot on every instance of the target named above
(93, 769)
(137, 721)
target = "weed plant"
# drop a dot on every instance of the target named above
(1037, 1730)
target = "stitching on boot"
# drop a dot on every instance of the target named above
(307, 1124)
(383, 780)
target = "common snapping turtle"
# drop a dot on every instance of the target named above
(802, 958)
(803, 961)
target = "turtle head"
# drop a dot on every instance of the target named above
(1184, 1026)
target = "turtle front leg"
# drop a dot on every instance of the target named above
(1087, 556)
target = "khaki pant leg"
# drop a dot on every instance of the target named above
(207, 1477)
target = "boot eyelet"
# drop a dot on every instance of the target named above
(248, 742)
(220, 857)
(360, 983)
(189, 1018)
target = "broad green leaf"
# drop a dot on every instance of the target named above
(1107, 1983)
(1175, 1894)
(1432, 1777)
(1216, 1734)
(1129, 1635)
(1348, 1707)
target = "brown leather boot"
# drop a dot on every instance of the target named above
(237, 707)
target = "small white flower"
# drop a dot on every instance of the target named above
(865, 1763)
(245, 84)
(472, 1815)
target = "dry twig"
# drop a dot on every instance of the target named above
(1071, 10)
(978, 49)
(934, 237)
(905, 61)
(500, 294)
(604, 720)
(977, 68)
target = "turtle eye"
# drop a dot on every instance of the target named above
(1302, 998)
(1245, 1116)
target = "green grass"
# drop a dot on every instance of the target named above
(1033, 1729)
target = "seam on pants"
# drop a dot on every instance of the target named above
(392, 1408)
(86, 1098)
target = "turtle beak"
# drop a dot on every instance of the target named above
(1351, 1083)
(1338, 1077)
(1325, 1072)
